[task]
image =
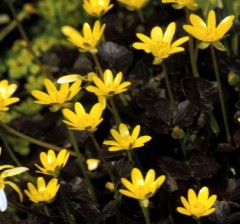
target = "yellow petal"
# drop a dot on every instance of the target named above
(211, 21)
(170, 31)
(137, 178)
(183, 211)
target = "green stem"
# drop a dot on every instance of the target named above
(45, 208)
(146, 214)
(115, 112)
(105, 163)
(168, 86)
(182, 143)
(99, 68)
(20, 207)
(11, 26)
(191, 48)
(198, 221)
(30, 139)
(69, 216)
(220, 91)
(129, 155)
(9, 150)
(81, 162)
(141, 16)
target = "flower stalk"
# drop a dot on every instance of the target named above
(80, 159)
(220, 91)
(115, 112)
(145, 213)
(168, 85)
(97, 63)
(31, 139)
(191, 48)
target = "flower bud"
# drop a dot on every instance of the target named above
(233, 78)
(178, 133)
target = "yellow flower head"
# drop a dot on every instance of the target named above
(159, 44)
(52, 164)
(92, 164)
(179, 4)
(197, 205)
(82, 121)
(97, 8)
(110, 186)
(109, 86)
(6, 92)
(125, 141)
(88, 40)
(54, 97)
(141, 188)
(134, 5)
(209, 33)
(10, 171)
(43, 193)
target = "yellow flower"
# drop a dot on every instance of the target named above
(125, 141)
(133, 5)
(110, 186)
(88, 40)
(159, 44)
(109, 86)
(209, 33)
(10, 171)
(92, 164)
(179, 4)
(197, 206)
(6, 92)
(54, 97)
(141, 188)
(97, 8)
(82, 121)
(52, 164)
(43, 193)
(75, 77)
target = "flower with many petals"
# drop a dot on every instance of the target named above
(52, 164)
(97, 8)
(6, 92)
(209, 33)
(133, 5)
(88, 40)
(57, 99)
(8, 172)
(82, 121)
(179, 4)
(141, 188)
(159, 44)
(125, 141)
(109, 86)
(197, 205)
(43, 193)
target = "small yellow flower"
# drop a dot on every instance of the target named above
(179, 4)
(10, 171)
(134, 5)
(97, 8)
(110, 186)
(52, 164)
(159, 44)
(141, 188)
(125, 141)
(43, 193)
(92, 164)
(88, 40)
(82, 121)
(6, 92)
(209, 33)
(57, 99)
(197, 205)
(109, 86)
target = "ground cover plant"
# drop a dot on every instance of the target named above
(122, 111)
